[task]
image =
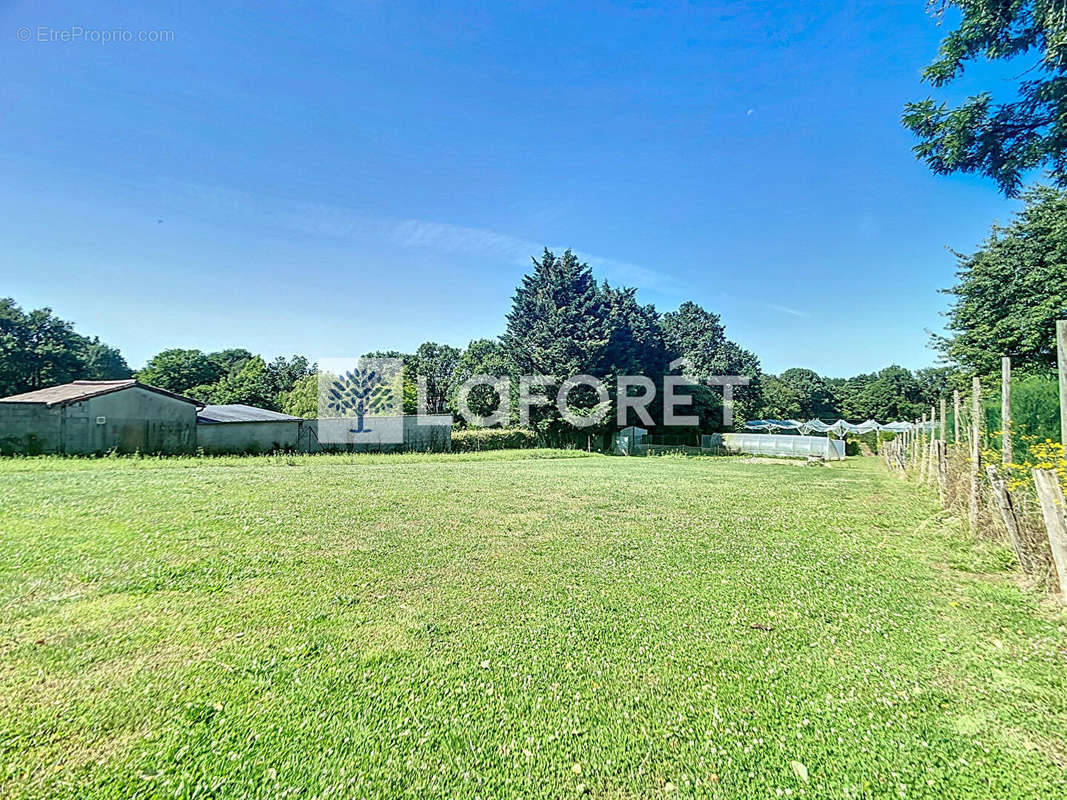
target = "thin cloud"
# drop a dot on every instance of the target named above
(793, 312)
(446, 237)
(339, 222)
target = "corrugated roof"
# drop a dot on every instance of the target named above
(82, 390)
(235, 412)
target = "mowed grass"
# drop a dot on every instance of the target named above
(512, 625)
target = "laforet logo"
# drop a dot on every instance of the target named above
(359, 393)
(360, 400)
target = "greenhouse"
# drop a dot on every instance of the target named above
(764, 444)
(818, 426)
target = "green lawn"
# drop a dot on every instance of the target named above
(512, 625)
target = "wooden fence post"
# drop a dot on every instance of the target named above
(944, 414)
(956, 415)
(1052, 509)
(1007, 513)
(942, 472)
(1061, 362)
(976, 426)
(923, 450)
(931, 475)
(1006, 454)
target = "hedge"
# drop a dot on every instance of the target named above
(472, 439)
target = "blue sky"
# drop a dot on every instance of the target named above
(331, 178)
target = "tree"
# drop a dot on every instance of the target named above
(409, 387)
(482, 357)
(250, 386)
(38, 349)
(556, 327)
(635, 346)
(999, 140)
(935, 383)
(892, 394)
(780, 399)
(178, 370)
(231, 360)
(437, 364)
(699, 336)
(303, 399)
(815, 398)
(102, 362)
(1009, 294)
(227, 376)
(283, 374)
(848, 396)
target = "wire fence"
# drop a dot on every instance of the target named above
(1006, 495)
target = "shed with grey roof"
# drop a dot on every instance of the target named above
(96, 417)
(237, 428)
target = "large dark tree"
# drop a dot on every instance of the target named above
(38, 349)
(1009, 294)
(815, 397)
(557, 327)
(780, 400)
(635, 339)
(284, 373)
(103, 362)
(848, 397)
(556, 323)
(1005, 139)
(892, 394)
(699, 336)
(635, 346)
(231, 360)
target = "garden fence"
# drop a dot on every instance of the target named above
(1011, 496)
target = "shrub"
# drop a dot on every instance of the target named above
(472, 439)
(1035, 411)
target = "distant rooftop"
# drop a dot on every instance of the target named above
(82, 390)
(235, 412)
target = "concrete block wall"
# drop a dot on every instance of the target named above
(30, 429)
(248, 437)
(433, 435)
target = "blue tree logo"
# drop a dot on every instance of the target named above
(361, 392)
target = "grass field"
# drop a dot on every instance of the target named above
(512, 625)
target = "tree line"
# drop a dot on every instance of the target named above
(562, 323)
(1007, 297)
(38, 349)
